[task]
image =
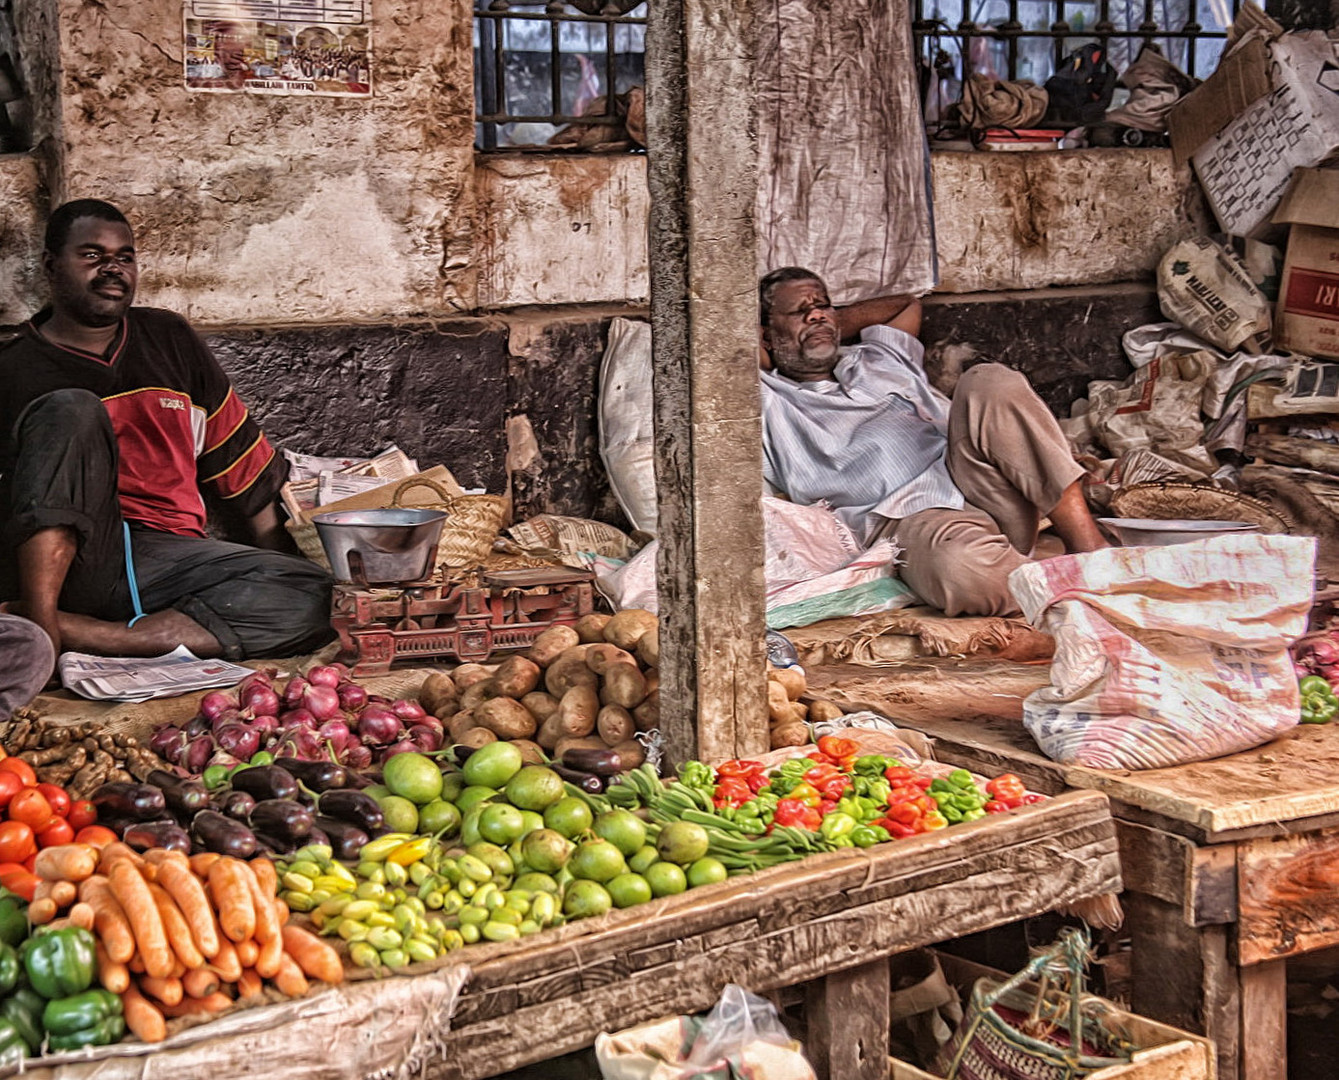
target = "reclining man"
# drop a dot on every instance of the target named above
(961, 487)
(113, 420)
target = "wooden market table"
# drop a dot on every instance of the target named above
(1230, 866)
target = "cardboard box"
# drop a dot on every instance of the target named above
(1271, 107)
(1307, 317)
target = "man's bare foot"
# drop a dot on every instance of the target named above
(1075, 525)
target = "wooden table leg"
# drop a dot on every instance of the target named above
(1264, 1021)
(847, 1015)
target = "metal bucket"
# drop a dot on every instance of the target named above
(1136, 532)
(380, 547)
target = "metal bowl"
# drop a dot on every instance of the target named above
(1137, 532)
(380, 547)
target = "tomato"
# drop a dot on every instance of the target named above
(58, 831)
(57, 797)
(10, 785)
(98, 836)
(30, 807)
(82, 814)
(17, 841)
(21, 769)
(18, 880)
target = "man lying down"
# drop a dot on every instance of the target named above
(961, 486)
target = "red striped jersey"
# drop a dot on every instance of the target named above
(179, 424)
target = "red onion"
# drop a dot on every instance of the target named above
(322, 701)
(427, 739)
(197, 725)
(293, 692)
(408, 710)
(197, 754)
(324, 676)
(336, 733)
(260, 700)
(259, 678)
(297, 718)
(224, 759)
(404, 746)
(352, 696)
(378, 699)
(431, 721)
(239, 740)
(378, 726)
(300, 743)
(356, 757)
(212, 704)
(265, 727)
(168, 743)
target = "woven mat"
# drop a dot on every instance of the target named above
(894, 636)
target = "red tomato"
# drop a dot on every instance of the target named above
(10, 785)
(19, 880)
(21, 769)
(82, 814)
(57, 797)
(99, 836)
(17, 841)
(30, 863)
(59, 831)
(30, 807)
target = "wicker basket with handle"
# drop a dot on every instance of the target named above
(472, 522)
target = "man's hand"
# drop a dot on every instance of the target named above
(901, 312)
(265, 530)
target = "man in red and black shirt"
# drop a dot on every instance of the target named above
(113, 422)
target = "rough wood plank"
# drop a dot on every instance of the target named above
(702, 174)
(847, 1014)
(1203, 881)
(1289, 895)
(1303, 453)
(1264, 1022)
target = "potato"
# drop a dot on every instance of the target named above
(551, 644)
(631, 753)
(505, 718)
(648, 647)
(799, 710)
(459, 724)
(550, 731)
(577, 742)
(792, 734)
(590, 628)
(577, 711)
(540, 705)
(627, 627)
(478, 693)
(447, 710)
(467, 675)
(623, 685)
(477, 737)
(531, 754)
(778, 702)
(569, 670)
(792, 679)
(822, 711)
(647, 715)
(600, 655)
(437, 690)
(615, 724)
(652, 680)
(516, 676)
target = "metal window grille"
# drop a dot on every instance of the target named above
(1028, 39)
(541, 66)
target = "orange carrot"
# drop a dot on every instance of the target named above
(188, 892)
(136, 964)
(157, 856)
(200, 982)
(175, 926)
(215, 1002)
(229, 888)
(289, 979)
(267, 919)
(82, 915)
(178, 969)
(249, 985)
(225, 962)
(61, 891)
(247, 951)
(113, 976)
(168, 991)
(42, 910)
(116, 851)
(108, 918)
(200, 864)
(66, 862)
(266, 875)
(142, 1016)
(132, 892)
(281, 910)
(314, 956)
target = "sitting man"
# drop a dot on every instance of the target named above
(112, 420)
(960, 487)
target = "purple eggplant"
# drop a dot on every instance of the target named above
(138, 802)
(351, 806)
(346, 840)
(599, 762)
(143, 835)
(283, 818)
(223, 835)
(236, 804)
(586, 781)
(266, 782)
(183, 796)
(317, 775)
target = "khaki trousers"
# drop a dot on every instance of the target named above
(1010, 460)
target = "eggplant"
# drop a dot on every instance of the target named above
(346, 840)
(600, 762)
(317, 775)
(282, 818)
(353, 807)
(587, 782)
(157, 834)
(265, 782)
(236, 804)
(138, 802)
(272, 846)
(223, 835)
(183, 796)
(317, 836)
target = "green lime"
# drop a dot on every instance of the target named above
(500, 823)
(545, 850)
(706, 871)
(439, 816)
(597, 860)
(536, 882)
(568, 816)
(474, 795)
(532, 821)
(453, 783)
(586, 898)
(492, 765)
(682, 842)
(401, 815)
(643, 859)
(623, 829)
(666, 879)
(535, 788)
(414, 777)
(629, 889)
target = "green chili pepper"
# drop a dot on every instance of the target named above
(23, 1009)
(1319, 703)
(836, 824)
(61, 963)
(13, 919)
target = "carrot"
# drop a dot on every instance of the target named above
(178, 969)
(227, 965)
(249, 985)
(267, 918)
(116, 851)
(113, 976)
(215, 1002)
(247, 951)
(108, 919)
(281, 910)
(271, 956)
(266, 875)
(168, 991)
(200, 982)
(136, 964)
(132, 892)
(200, 864)
(42, 910)
(289, 979)
(82, 915)
(142, 1016)
(157, 856)
(175, 926)
(185, 888)
(61, 891)
(68, 862)
(312, 955)
(232, 898)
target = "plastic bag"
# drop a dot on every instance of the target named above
(1204, 287)
(1166, 655)
(742, 1037)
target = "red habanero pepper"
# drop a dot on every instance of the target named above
(737, 768)
(834, 787)
(731, 791)
(805, 793)
(795, 813)
(821, 773)
(896, 829)
(837, 748)
(903, 813)
(1007, 788)
(994, 806)
(827, 806)
(757, 781)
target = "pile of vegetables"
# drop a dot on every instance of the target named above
(1316, 661)
(788, 717)
(77, 757)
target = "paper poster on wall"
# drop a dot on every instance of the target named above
(311, 47)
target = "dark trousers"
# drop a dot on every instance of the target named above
(256, 603)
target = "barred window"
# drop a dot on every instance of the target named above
(543, 73)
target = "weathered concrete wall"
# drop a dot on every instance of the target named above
(21, 195)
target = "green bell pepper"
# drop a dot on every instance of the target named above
(61, 963)
(23, 1009)
(10, 968)
(1319, 703)
(92, 1018)
(863, 836)
(835, 825)
(697, 775)
(13, 1047)
(13, 919)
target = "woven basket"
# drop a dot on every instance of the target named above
(309, 542)
(1164, 500)
(472, 522)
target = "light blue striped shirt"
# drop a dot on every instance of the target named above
(871, 443)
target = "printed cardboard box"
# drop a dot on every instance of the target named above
(1307, 317)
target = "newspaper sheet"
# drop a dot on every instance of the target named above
(105, 678)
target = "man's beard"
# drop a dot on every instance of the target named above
(800, 360)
